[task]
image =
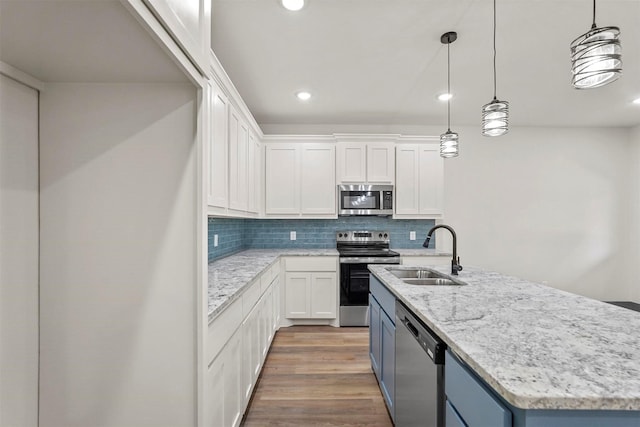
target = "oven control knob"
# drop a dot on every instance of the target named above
(346, 234)
(339, 234)
(385, 235)
(380, 235)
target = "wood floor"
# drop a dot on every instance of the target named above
(318, 376)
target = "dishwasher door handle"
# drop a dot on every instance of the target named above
(411, 328)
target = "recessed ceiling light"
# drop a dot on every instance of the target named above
(636, 101)
(445, 96)
(303, 96)
(293, 5)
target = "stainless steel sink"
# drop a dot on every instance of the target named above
(423, 277)
(432, 281)
(414, 273)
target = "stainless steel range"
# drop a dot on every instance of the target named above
(357, 249)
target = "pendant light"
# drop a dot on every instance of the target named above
(596, 58)
(495, 115)
(449, 140)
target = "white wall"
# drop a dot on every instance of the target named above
(118, 255)
(633, 234)
(548, 205)
(18, 254)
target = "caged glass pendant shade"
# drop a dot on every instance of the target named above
(495, 118)
(495, 115)
(449, 144)
(596, 58)
(449, 140)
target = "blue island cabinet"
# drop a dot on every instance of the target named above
(382, 340)
(472, 403)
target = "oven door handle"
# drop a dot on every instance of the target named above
(372, 260)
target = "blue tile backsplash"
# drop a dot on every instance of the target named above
(235, 235)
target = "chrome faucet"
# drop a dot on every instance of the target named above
(455, 262)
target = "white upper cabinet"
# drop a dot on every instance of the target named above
(189, 21)
(352, 162)
(254, 170)
(217, 155)
(233, 162)
(238, 161)
(282, 187)
(419, 181)
(365, 162)
(300, 179)
(317, 184)
(380, 163)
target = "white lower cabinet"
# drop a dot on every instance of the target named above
(311, 288)
(214, 415)
(251, 352)
(248, 326)
(233, 396)
(224, 385)
(324, 301)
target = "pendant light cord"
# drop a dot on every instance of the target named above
(594, 15)
(449, 86)
(495, 84)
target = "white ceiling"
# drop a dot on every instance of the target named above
(381, 61)
(81, 41)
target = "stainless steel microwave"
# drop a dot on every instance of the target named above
(365, 199)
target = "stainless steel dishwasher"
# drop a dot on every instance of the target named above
(420, 399)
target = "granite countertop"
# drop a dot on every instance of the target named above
(538, 347)
(229, 276)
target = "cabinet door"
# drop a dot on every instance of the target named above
(380, 163)
(374, 335)
(238, 152)
(266, 310)
(233, 393)
(352, 162)
(281, 186)
(253, 173)
(214, 408)
(297, 295)
(317, 179)
(407, 180)
(250, 352)
(276, 304)
(388, 362)
(431, 180)
(218, 142)
(323, 295)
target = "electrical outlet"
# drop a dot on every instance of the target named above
(412, 235)
(292, 235)
(215, 240)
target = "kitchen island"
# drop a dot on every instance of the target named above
(538, 348)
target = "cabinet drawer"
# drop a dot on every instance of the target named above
(473, 400)
(311, 264)
(385, 298)
(250, 297)
(223, 327)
